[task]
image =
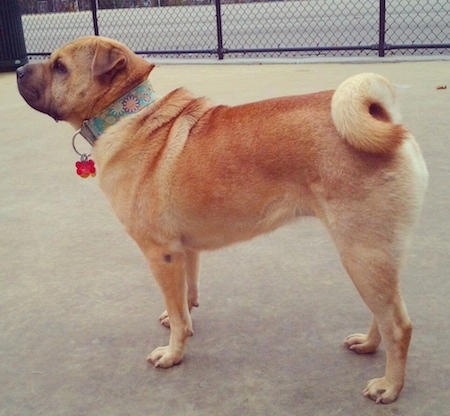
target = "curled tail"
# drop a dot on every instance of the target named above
(365, 113)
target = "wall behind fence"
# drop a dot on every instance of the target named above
(290, 28)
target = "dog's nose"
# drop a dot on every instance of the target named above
(20, 72)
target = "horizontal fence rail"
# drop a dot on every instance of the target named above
(222, 28)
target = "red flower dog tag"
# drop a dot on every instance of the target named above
(85, 167)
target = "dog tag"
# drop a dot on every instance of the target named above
(85, 167)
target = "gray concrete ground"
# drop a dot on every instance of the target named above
(79, 308)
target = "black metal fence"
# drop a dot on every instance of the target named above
(222, 28)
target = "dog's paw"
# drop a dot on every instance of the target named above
(164, 319)
(360, 343)
(382, 391)
(163, 357)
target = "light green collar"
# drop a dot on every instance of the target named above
(130, 103)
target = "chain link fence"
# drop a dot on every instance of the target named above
(232, 28)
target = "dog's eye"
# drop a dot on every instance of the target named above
(60, 67)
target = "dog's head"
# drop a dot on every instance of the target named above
(81, 78)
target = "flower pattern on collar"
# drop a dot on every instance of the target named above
(130, 103)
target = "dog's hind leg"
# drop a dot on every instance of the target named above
(374, 269)
(192, 275)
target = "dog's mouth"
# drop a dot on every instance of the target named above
(33, 95)
(33, 99)
(30, 92)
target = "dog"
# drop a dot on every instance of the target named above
(184, 175)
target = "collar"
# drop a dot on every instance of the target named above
(130, 103)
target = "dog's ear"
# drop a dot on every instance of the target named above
(107, 60)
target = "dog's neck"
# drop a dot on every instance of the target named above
(130, 103)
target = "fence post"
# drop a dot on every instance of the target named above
(382, 29)
(94, 16)
(220, 50)
(12, 42)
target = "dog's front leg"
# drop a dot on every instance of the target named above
(192, 273)
(169, 269)
(365, 343)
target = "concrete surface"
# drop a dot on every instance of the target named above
(79, 308)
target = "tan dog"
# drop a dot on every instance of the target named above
(184, 176)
